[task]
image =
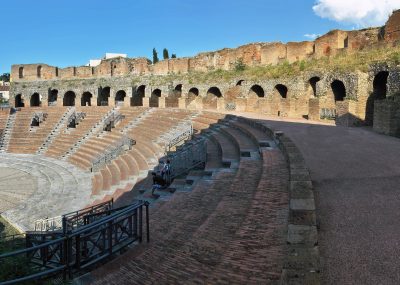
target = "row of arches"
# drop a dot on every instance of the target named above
(338, 89)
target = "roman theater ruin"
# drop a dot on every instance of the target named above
(248, 153)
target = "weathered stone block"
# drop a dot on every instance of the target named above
(302, 204)
(305, 235)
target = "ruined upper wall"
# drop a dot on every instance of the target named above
(251, 55)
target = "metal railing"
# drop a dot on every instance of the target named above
(329, 114)
(76, 250)
(185, 134)
(112, 153)
(48, 224)
(188, 156)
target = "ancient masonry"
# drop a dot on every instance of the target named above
(349, 97)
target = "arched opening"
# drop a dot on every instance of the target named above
(35, 100)
(240, 82)
(39, 71)
(120, 97)
(257, 90)
(210, 101)
(193, 94)
(69, 99)
(138, 95)
(52, 98)
(19, 102)
(313, 83)
(214, 91)
(102, 100)
(21, 72)
(178, 88)
(86, 99)
(379, 93)
(282, 90)
(155, 96)
(339, 90)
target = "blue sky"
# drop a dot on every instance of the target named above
(63, 33)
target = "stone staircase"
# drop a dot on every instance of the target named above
(98, 127)
(6, 136)
(56, 130)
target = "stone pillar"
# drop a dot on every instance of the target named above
(241, 104)
(182, 103)
(146, 102)
(128, 97)
(220, 104)
(346, 114)
(60, 98)
(313, 109)
(111, 99)
(78, 100)
(161, 102)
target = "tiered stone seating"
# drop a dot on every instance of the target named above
(229, 229)
(27, 139)
(69, 137)
(97, 145)
(144, 155)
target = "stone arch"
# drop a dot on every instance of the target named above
(21, 72)
(52, 97)
(282, 90)
(178, 88)
(35, 100)
(39, 71)
(240, 82)
(86, 99)
(138, 95)
(193, 92)
(104, 95)
(379, 92)
(313, 86)
(256, 90)
(120, 97)
(155, 96)
(210, 101)
(69, 98)
(19, 101)
(338, 90)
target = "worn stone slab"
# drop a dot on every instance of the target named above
(306, 258)
(300, 277)
(305, 235)
(302, 204)
(301, 217)
(301, 190)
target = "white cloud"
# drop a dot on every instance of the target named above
(311, 36)
(363, 13)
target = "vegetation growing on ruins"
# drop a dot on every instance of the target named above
(341, 62)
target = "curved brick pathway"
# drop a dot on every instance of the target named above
(356, 176)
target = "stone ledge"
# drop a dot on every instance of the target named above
(302, 260)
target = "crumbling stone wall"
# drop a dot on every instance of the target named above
(387, 117)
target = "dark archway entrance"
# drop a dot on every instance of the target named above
(52, 99)
(19, 102)
(338, 90)
(69, 99)
(313, 84)
(138, 95)
(282, 90)
(120, 97)
(379, 93)
(257, 90)
(240, 82)
(154, 99)
(35, 100)
(210, 101)
(86, 99)
(104, 95)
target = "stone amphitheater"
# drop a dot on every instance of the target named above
(284, 196)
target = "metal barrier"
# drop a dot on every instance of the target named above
(110, 154)
(329, 114)
(72, 251)
(188, 156)
(186, 134)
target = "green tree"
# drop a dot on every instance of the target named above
(165, 54)
(155, 56)
(5, 77)
(173, 55)
(239, 65)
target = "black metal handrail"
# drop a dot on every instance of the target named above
(78, 248)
